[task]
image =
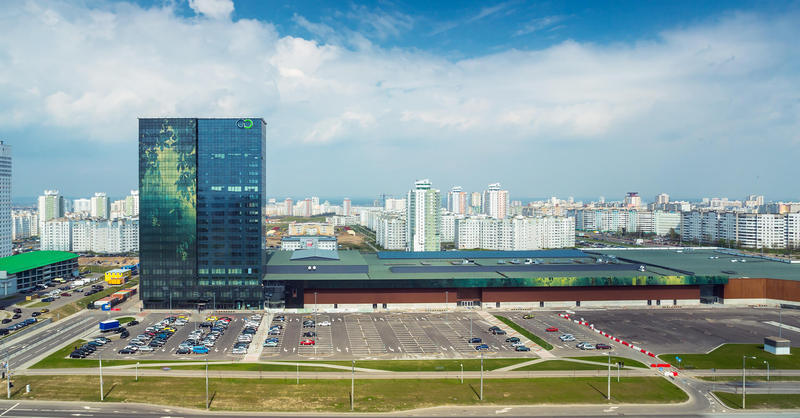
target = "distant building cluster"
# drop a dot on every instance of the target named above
(307, 207)
(91, 235)
(479, 221)
(626, 220)
(750, 230)
(96, 224)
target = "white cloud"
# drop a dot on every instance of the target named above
(82, 71)
(540, 23)
(215, 9)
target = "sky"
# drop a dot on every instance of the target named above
(579, 98)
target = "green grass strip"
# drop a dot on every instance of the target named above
(529, 335)
(760, 400)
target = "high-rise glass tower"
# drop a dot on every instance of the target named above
(200, 200)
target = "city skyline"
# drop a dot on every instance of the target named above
(539, 98)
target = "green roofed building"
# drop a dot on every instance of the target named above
(23, 272)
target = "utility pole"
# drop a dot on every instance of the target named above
(609, 375)
(298, 372)
(462, 373)
(481, 375)
(767, 363)
(137, 371)
(744, 389)
(207, 405)
(470, 328)
(315, 324)
(619, 366)
(353, 387)
(100, 358)
(780, 321)
(8, 373)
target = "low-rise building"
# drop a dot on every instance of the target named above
(27, 270)
(308, 243)
(117, 276)
(310, 228)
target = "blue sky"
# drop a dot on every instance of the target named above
(549, 98)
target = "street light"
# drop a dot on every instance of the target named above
(609, 375)
(481, 375)
(353, 387)
(462, 373)
(207, 383)
(767, 363)
(100, 358)
(744, 389)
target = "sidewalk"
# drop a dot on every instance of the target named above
(257, 346)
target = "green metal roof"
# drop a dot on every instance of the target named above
(707, 262)
(32, 260)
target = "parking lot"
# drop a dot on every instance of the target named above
(388, 336)
(695, 330)
(220, 351)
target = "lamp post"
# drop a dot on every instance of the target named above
(8, 372)
(767, 363)
(315, 324)
(100, 358)
(481, 375)
(207, 405)
(780, 321)
(353, 387)
(744, 389)
(462, 373)
(137, 371)
(609, 375)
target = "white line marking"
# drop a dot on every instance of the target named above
(6, 411)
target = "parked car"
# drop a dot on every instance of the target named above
(521, 348)
(567, 337)
(6, 320)
(17, 310)
(498, 332)
(307, 342)
(16, 316)
(324, 324)
(512, 340)
(601, 346)
(551, 329)
(34, 314)
(200, 349)
(527, 316)
(482, 347)
(475, 340)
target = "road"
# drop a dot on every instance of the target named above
(94, 409)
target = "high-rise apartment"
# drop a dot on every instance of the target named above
(289, 206)
(424, 218)
(201, 196)
(132, 204)
(495, 202)
(100, 206)
(51, 206)
(5, 199)
(457, 200)
(346, 206)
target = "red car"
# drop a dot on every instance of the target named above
(552, 329)
(307, 342)
(65, 294)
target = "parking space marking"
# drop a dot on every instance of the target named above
(362, 335)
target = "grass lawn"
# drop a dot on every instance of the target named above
(614, 360)
(96, 269)
(431, 365)
(729, 356)
(333, 395)
(759, 401)
(560, 365)
(38, 305)
(531, 336)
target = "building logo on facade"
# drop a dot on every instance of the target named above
(244, 123)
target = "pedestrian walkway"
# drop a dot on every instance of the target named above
(257, 346)
(541, 352)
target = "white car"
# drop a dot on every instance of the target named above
(567, 337)
(239, 350)
(324, 324)
(146, 348)
(270, 344)
(518, 344)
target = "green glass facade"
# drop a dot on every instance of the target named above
(200, 200)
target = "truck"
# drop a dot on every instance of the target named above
(109, 325)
